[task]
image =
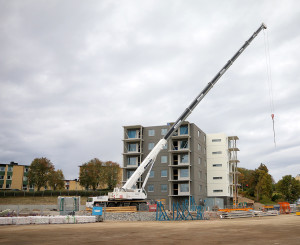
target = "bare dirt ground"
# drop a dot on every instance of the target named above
(283, 229)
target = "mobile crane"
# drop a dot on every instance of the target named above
(129, 193)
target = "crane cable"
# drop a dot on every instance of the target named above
(269, 80)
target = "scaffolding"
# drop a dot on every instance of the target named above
(232, 148)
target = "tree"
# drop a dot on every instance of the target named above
(289, 187)
(39, 172)
(112, 174)
(263, 181)
(91, 174)
(56, 179)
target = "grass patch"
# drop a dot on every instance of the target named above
(33, 200)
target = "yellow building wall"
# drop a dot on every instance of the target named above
(17, 177)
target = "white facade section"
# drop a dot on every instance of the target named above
(219, 177)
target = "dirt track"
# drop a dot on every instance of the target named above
(283, 229)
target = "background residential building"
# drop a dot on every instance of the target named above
(14, 177)
(179, 171)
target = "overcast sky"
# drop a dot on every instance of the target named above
(72, 73)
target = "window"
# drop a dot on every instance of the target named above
(45, 187)
(164, 173)
(199, 160)
(198, 133)
(217, 165)
(151, 132)
(24, 178)
(132, 147)
(163, 188)
(26, 170)
(150, 188)
(199, 147)
(184, 173)
(217, 190)
(1, 186)
(7, 186)
(9, 177)
(217, 152)
(216, 140)
(184, 158)
(24, 187)
(129, 173)
(1, 177)
(132, 134)
(31, 187)
(132, 161)
(9, 169)
(165, 147)
(163, 159)
(164, 131)
(151, 174)
(150, 146)
(217, 177)
(184, 144)
(184, 130)
(2, 168)
(184, 188)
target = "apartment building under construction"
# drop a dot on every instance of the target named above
(186, 167)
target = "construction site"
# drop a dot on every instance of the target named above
(179, 186)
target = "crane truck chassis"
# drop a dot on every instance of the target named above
(129, 194)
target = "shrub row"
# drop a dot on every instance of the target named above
(82, 193)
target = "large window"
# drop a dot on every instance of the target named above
(150, 188)
(132, 147)
(163, 159)
(2, 168)
(150, 146)
(184, 130)
(129, 173)
(151, 132)
(184, 188)
(184, 158)
(132, 133)
(163, 188)
(164, 131)
(132, 161)
(184, 173)
(164, 173)
(184, 144)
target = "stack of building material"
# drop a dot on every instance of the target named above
(21, 220)
(85, 219)
(236, 214)
(5, 221)
(128, 209)
(57, 220)
(268, 213)
(38, 220)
